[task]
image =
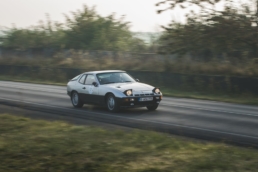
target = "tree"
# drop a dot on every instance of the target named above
(212, 33)
(84, 30)
(44, 35)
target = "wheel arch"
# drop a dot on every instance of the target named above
(106, 95)
(76, 92)
(73, 92)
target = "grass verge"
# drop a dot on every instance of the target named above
(223, 97)
(37, 145)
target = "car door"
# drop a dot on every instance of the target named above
(81, 88)
(92, 92)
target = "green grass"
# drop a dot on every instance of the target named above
(223, 97)
(37, 145)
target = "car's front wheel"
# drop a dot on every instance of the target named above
(152, 107)
(111, 103)
(76, 101)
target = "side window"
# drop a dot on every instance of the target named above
(89, 80)
(82, 79)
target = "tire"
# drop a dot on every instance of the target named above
(112, 104)
(75, 99)
(152, 107)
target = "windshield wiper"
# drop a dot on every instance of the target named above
(127, 81)
(108, 82)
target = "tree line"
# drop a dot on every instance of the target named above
(229, 34)
(83, 29)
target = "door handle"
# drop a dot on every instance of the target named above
(84, 88)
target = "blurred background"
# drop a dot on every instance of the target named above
(205, 47)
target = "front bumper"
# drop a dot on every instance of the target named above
(134, 101)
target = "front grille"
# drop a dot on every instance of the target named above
(148, 94)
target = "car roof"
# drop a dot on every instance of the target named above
(103, 71)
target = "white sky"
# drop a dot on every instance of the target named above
(141, 13)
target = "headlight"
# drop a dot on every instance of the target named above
(156, 90)
(128, 92)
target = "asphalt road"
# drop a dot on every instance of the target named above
(201, 119)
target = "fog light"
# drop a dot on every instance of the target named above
(157, 102)
(131, 100)
(132, 104)
(157, 97)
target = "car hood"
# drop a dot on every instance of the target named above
(135, 86)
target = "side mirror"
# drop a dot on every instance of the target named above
(137, 80)
(95, 84)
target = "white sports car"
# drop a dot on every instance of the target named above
(114, 89)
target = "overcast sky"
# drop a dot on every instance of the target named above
(141, 13)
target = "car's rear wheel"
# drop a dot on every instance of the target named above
(111, 103)
(76, 101)
(152, 107)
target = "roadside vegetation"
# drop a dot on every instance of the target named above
(137, 62)
(37, 145)
(211, 41)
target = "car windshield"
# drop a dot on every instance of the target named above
(114, 77)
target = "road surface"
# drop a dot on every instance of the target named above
(200, 119)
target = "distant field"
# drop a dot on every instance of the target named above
(37, 145)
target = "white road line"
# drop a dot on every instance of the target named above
(143, 120)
